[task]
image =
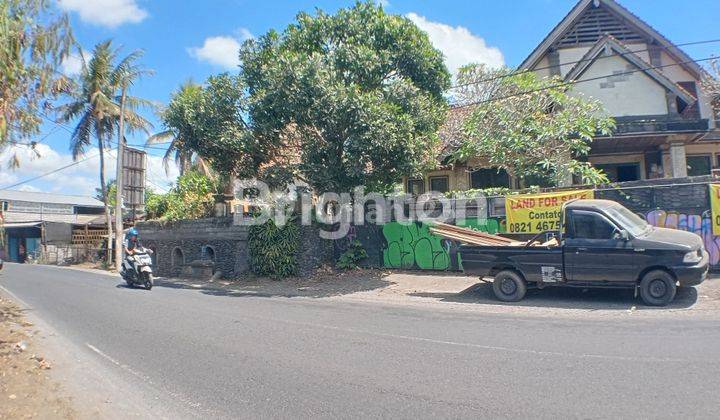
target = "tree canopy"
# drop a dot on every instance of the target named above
(33, 43)
(206, 125)
(178, 120)
(531, 127)
(343, 100)
(711, 86)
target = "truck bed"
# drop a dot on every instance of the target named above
(536, 263)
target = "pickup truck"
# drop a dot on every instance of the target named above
(601, 244)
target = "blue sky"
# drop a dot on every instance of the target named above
(194, 39)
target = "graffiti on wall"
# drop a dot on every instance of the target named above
(700, 225)
(413, 246)
(490, 225)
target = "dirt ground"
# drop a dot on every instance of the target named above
(26, 390)
(450, 291)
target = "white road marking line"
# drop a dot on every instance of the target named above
(144, 378)
(483, 346)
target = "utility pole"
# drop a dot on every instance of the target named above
(119, 186)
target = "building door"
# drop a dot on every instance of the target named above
(13, 242)
(32, 247)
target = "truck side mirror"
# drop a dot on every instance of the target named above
(622, 234)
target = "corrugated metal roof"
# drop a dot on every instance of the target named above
(42, 197)
(21, 224)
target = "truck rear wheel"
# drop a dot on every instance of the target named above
(657, 288)
(509, 286)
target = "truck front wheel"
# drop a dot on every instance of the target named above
(657, 288)
(509, 286)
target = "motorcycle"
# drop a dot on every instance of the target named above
(137, 269)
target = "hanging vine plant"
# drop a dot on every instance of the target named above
(273, 249)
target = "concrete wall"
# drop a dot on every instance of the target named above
(178, 244)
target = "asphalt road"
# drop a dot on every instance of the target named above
(189, 353)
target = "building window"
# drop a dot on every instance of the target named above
(699, 165)
(4, 206)
(692, 111)
(416, 186)
(621, 172)
(440, 184)
(489, 178)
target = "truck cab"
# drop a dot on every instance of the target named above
(601, 244)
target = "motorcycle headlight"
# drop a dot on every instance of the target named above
(693, 257)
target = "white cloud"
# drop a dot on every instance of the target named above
(110, 13)
(243, 34)
(81, 178)
(72, 65)
(28, 188)
(222, 50)
(458, 44)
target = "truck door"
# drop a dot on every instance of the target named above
(595, 251)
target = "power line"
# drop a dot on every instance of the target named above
(144, 146)
(33, 143)
(573, 82)
(77, 162)
(517, 72)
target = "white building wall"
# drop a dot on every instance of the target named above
(543, 71)
(568, 58)
(622, 95)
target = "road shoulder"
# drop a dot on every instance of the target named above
(27, 389)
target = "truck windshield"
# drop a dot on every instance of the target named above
(628, 220)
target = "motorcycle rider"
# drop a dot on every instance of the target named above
(130, 244)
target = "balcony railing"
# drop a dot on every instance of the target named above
(658, 124)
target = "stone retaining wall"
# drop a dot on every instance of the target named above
(181, 244)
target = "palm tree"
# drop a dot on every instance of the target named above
(180, 130)
(95, 105)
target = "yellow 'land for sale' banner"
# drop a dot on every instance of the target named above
(715, 207)
(535, 213)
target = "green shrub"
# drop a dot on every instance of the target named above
(156, 205)
(192, 197)
(273, 249)
(352, 256)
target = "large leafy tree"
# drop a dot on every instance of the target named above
(531, 127)
(345, 100)
(34, 41)
(711, 86)
(95, 105)
(180, 119)
(217, 129)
